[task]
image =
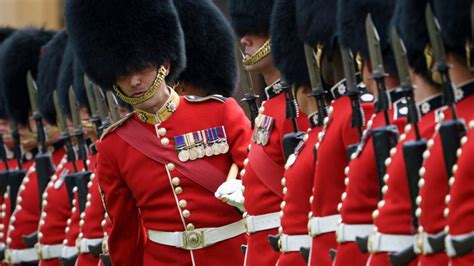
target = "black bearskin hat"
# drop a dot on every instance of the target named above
(112, 38)
(4, 33)
(454, 18)
(351, 17)
(409, 20)
(66, 78)
(287, 50)
(78, 84)
(19, 54)
(250, 16)
(316, 22)
(211, 63)
(48, 70)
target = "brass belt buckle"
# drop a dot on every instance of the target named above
(39, 251)
(193, 239)
(419, 243)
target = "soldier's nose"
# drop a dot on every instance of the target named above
(245, 41)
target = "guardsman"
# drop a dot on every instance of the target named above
(266, 159)
(396, 218)
(6, 154)
(55, 206)
(151, 165)
(364, 171)
(24, 219)
(299, 65)
(435, 220)
(342, 130)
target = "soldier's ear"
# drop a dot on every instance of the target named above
(167, 67)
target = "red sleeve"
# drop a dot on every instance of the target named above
(126, 238)
(237, 127)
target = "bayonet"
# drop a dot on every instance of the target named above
(103, 112)
(15, 177)
(246, 83)
(401, 60)
(3, 152)
(378, 71)
(33, 94)
(95, 117)
(439, 54)
(352, 88)
(317, 89)
(65, 135)
(79, 133)
(113, 106)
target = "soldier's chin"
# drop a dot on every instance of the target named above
(259, 67)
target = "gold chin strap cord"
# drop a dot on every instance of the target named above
(258, 55)
(160, 77)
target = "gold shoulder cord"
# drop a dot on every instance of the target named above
(258, 55)
(160, 76)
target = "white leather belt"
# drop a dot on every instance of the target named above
(450, 250)
(15, 256)
(349, 232)
(262, 222)
(289, 243)
(46, 252)
(86, 242)
(389, 243)
(321, 225)
(422, 245)
(68, 252)
(197, 238)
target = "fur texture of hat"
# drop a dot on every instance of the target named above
(351, 17)
(211, 63)
(249, 16)
(287, 50)
(19, 54)
(48, 70)
(113, 38)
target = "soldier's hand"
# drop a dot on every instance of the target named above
(230, 192)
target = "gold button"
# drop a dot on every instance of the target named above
(381, 203)
(162, 131)
(186, 214)
(183, 203)
(242, 172)
(44, 203)
(175, 181)
(311, 200)
(375, 214)
(83, 215)
(283, 181)
(81, 223)
(282, 204)
(246, 161)
(285, 190)
(346, 181)
(418, 200)
(178, 190)
(190, 227)
(170, 166)
(165, 141)
(344, 196)
(339, 206)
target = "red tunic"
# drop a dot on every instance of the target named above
(298, 180)
(56, 210)
(461, 204)
(362, 190)
(329, 173)
(92, 218)
(25, 218)
(259, 198)
(140, 194)
(436, 186)
(394, 213)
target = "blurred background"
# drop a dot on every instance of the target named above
(49, 14)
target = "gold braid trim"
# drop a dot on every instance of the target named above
(258, 55)
(160, 76)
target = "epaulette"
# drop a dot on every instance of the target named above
(115, 125)
(197, 99)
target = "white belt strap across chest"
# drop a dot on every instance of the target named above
(389, 243)
(198, 238)
(322, 225)
(290, 243)
(349, 232)
(262, 222)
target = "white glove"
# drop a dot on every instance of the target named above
(230, 192)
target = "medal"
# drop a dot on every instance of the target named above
(193, 154)
(209, 151)
(183, 156)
